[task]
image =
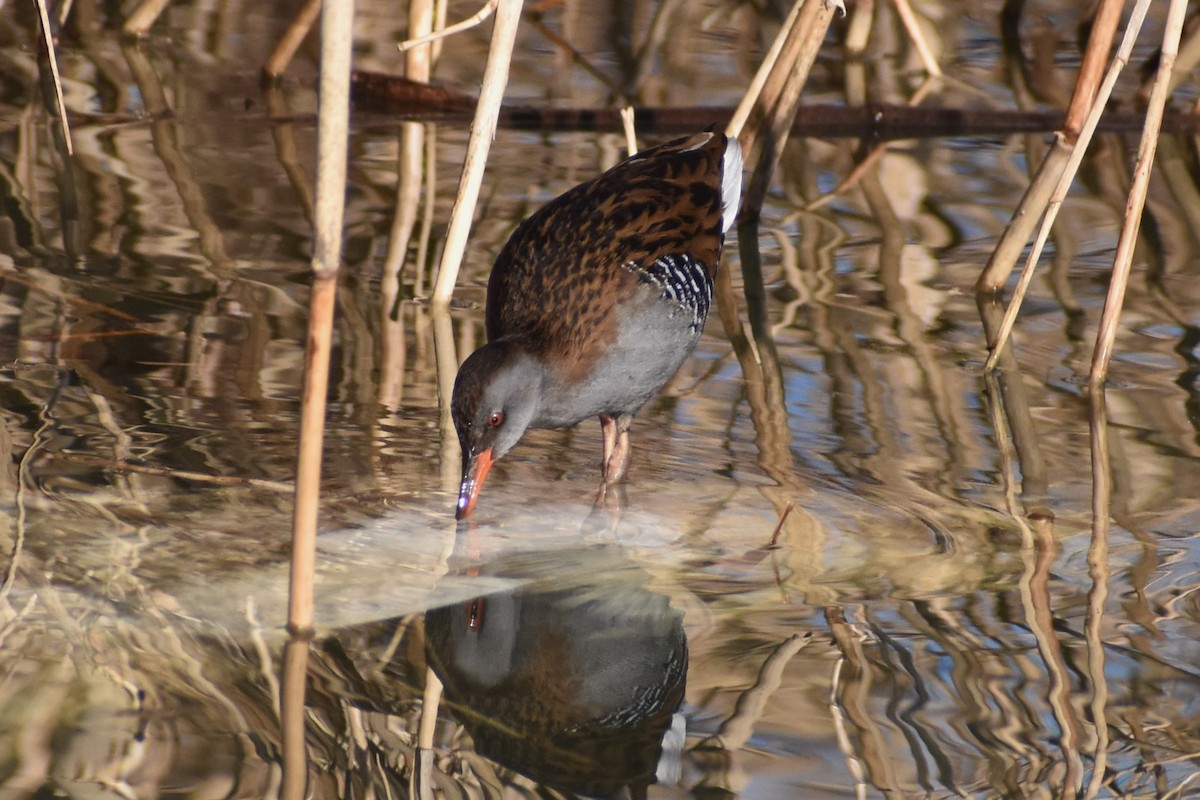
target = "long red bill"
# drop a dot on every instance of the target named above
(472, 482)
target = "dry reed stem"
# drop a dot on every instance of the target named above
(332, 139)
(410, 183)
(468, 23)
(292, 38)
(1091, 68)
(52, 60)
(913, 27)
(1065, 177)
(1016, 234)
(1123, 261)
(1186, 59)
(858, 29)
(770, 119)
(483, 130)
(446, 363)
(742, 115)
(631, 145)
(137, 23)
(763, 119)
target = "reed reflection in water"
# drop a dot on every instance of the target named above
(985, 587)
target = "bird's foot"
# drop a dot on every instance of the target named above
(611, 502)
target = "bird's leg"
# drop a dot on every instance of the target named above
(617, 464)
(608, 427)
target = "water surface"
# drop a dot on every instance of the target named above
(945, 613)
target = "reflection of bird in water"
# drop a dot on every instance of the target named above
(595, 302)
(575, 686)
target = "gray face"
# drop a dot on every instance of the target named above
(495, 399)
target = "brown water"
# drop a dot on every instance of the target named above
(944, 616)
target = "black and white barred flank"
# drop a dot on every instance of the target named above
(683, 281)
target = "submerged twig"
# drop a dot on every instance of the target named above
(787, 509)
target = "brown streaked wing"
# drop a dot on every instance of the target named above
(570, 254)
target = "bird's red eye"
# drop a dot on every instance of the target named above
(496, 419)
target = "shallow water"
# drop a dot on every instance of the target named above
(944, 615)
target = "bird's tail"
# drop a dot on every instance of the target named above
(731, 183)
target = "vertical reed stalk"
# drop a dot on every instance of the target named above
(332, 137)
(1065, 176)
(483, 130)
(1110, 316)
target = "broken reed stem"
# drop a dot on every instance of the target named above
(332, 138)
(52, 60)
(1110, 316)
(483, 130)
(1024, 219)
(470, 22)
(1065, 178)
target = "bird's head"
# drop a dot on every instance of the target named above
(495, 400)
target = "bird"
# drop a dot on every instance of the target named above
(595, 301)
